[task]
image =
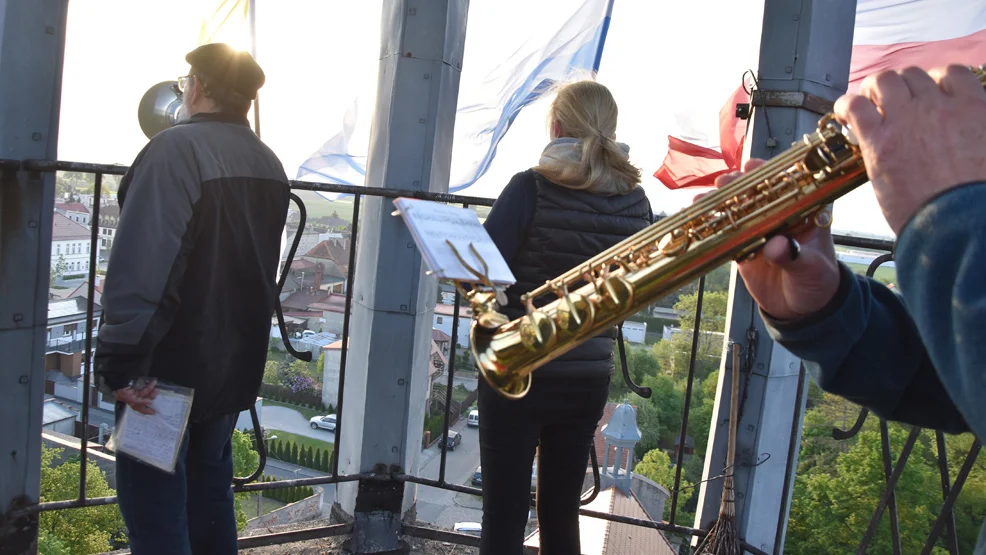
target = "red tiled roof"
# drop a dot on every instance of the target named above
(83, 290)
(440, 336)
(335, 250)
(72, 207)
(63, 229)
(302, 300)
(331, 303)
(603, 537)
(302, 264)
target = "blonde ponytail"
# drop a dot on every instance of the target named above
(587, 111)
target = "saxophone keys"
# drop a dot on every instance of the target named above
(538, 331)
(618, 293)
(575, 314)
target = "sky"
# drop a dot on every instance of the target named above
(670, 65)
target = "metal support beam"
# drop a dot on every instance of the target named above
(32, 39)
(804, 54)
(393, 299)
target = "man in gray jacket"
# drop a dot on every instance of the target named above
(188, 298)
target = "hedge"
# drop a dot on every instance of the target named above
(289, 452)
(285, 395)
(287, 495)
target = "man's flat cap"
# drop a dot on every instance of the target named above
(234, 69)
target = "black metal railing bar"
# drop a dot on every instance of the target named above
(358, 192)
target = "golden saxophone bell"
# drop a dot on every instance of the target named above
(793, 190)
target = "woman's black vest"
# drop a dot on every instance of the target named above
(568, 228)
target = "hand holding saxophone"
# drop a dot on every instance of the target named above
(790, 287)
(908, 123)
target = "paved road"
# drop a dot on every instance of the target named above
(444, 508)
(289, 420)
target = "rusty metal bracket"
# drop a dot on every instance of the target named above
(792, 99)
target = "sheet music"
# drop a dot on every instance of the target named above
(434, 223)
(156, 438)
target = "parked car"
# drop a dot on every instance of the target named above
(454, 439)
(323, 422)
(471, 528)
(473, 419)
(477, 476)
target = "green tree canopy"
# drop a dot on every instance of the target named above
(76, 531)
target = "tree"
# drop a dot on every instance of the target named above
(657, 466)
(294, 453)
(245, 461)
(59, 269)
(674, 355)
(77, 531)
(272, 373)
(649, 422)
(668, 399)
(49, 544)
(700, 412)
(713, 310)
(831, 509)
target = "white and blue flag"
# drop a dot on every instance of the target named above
(490, 95)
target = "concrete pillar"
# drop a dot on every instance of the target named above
(32, 43)
(804, 67)
(393, 299)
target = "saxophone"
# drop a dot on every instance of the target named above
(788, 192)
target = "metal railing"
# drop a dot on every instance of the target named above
(949, 491)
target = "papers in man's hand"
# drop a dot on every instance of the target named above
(155, 439)
(434, 225)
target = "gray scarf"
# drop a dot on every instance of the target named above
(569, 150)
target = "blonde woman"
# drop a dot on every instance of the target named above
(583, 197)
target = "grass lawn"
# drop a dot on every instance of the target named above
(317, 206)
(303, 441)
(884, 273)
(249, 505)
(307, 413)
(459, 394)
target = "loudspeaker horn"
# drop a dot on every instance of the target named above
(159, 108)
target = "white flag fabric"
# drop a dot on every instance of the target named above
(525, 67)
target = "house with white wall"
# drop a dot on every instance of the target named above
(69, 242)
(635, 332)
(75, 211)
(443, 318)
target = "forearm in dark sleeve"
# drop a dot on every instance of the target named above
(147, 264)
(866, 348)
(941, 264)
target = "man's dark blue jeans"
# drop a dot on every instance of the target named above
(190, 512)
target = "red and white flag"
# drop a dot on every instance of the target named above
(888, 34)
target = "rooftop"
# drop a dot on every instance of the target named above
(622, 426)
(604, 537)
(72, 207)
(69, 309)
(53, 411)
(440, 336)
(63, 229)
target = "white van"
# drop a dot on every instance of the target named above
(473, 419)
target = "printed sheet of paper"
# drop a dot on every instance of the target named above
(155, 439)
(433, 224)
